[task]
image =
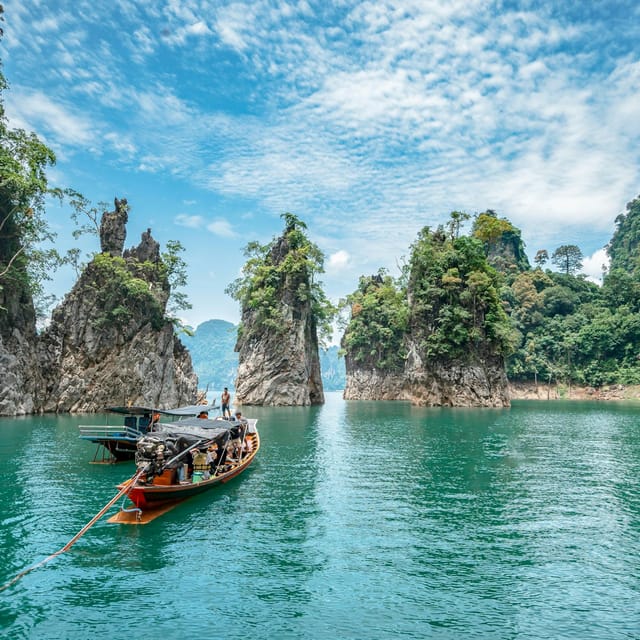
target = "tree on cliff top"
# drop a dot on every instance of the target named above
(455, 309)
(283, 272)
(24, 265)
(502, 243)
(624, 246)
(376, 330)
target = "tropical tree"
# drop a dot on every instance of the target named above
(378, 322)
(541, 258)
(24, 263)
(568, 258)
(283, 272)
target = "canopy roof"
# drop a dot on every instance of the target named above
(189, 410)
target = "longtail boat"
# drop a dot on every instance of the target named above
(117, 442)
(184, 459)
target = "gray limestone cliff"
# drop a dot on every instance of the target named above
(20, 380)
(109, 342)
(278, 361)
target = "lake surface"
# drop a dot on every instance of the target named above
(359, 520)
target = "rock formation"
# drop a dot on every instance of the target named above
(278, 360)
(452, 343)
(19, 366)
(108, 342)
(113, 228)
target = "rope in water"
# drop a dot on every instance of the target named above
(128, 486)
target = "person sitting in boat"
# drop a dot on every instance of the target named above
(236, 434)
(203, 414)
(213, 453)
(247, 445)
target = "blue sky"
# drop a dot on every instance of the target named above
(368, 120)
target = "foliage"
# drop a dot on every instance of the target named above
(502, 243)
(624, 246)
(574, 331)
(124, 295)
(541, 257)
(378, 323)
(174, 269)
(454, 301)
(24, 159)
(283, 274)
(568, 258)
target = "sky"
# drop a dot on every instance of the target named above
(367, 120)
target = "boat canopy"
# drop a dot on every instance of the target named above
(189, 410)
(215, 426)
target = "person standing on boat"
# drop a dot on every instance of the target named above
(225, 400)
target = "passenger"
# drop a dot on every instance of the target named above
(203, 414)
(247, 445)
(212, 458)
(237, 435)
(225, 400)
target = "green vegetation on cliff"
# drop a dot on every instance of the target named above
(550, 325)
(125, 291)
(375, 334)
(454, 303)
(24, 264)
(450, 306)
(283, 272)
(572, 330)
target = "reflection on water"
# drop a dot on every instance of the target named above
(357, 520)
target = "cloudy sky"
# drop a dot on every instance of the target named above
(368, 120)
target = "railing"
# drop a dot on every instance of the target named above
(109, 432)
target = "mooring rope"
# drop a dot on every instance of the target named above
(128, 486)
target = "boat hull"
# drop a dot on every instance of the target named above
(153, 496)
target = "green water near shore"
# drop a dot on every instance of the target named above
(358, 520)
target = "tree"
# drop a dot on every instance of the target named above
(376, 330)
(176, 272)
(457, 218)
(624, 246)
(542, 257)
(283, 272)
(24, 264)
(568, 258)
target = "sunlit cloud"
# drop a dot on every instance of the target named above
(192, 222)
(595, 265)
(337, 261)
(222, 228)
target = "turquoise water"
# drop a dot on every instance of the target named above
(358, 520)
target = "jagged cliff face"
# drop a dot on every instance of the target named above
(371, 383)
(19, 365)
(280, 369)
(19, 371)
(278, 363)
(108, 342)
(475, 381)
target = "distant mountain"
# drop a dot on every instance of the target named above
(216, 363)
(332, 369)
(212, 354)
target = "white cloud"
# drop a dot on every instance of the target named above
(193, 222)
(338, 261)
(594, 265)
(222, 228)
(37, 111)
